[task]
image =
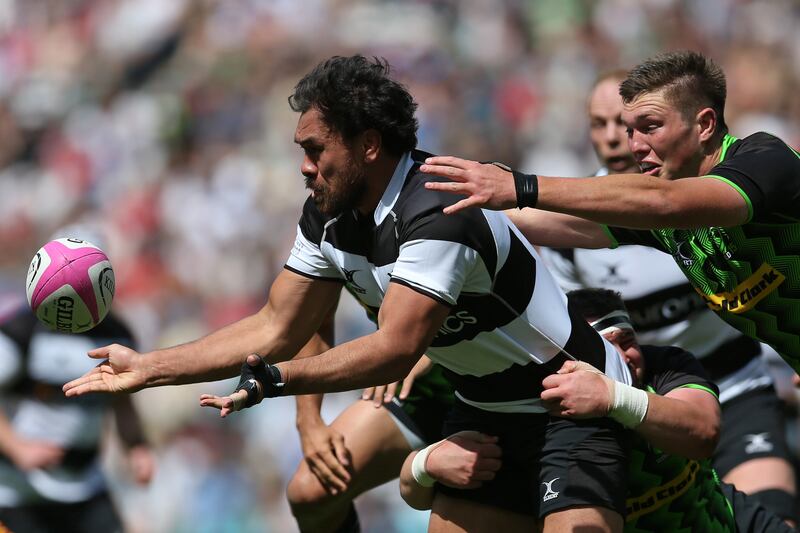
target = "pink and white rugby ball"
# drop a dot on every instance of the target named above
(70, 285)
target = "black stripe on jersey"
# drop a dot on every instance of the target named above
(584, 342)
(516, 279)
(517, 382)
(419, 216)
(353, 235)
(664, 307)
(511, 293)
(312, 222)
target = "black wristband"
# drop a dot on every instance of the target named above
(268, 376)
(527, 187)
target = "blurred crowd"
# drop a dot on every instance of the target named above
(166, 123)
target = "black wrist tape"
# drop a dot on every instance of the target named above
(527, 187)
(268, 376)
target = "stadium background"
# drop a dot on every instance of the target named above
(167, 121)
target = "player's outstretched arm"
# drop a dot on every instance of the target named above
(685, 422)
(408, 322)
(296, 307)
(463, 460)
(626, 200)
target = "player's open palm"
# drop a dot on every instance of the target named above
(121, 371)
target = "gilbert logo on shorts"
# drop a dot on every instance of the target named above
(549, 493)
(748, 293)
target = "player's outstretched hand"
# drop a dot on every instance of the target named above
(578, 390)
(226, 404)
(237, 400)
(465, 460)
(484, 184)
(121, 371)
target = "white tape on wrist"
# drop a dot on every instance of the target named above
(629, 406)
(418, 470)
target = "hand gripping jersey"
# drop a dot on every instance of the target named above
(34, 363)
(668, 492)
(508, 326)
(748, 274)
(665, 310)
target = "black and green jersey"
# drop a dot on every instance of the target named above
(748, 274)
(669, 492)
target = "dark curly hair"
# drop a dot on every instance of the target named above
(355, 94)
(690, 81)
(594, 303)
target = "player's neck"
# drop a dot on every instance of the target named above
(711, 156)
(379, 174)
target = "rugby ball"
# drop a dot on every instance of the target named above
(70, 285)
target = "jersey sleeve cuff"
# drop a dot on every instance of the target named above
(424, 291)
(700, 387)
(740, 191)
(312, 276)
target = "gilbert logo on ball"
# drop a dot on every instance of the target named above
(70, 285)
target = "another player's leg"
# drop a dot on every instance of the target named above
(456, 515)
(583, 476)
(563, 472)
(750, 514)
(753, 455)
(377, 450)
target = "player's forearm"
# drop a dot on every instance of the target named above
(374, 359)
(308, 409)
(680, 427)
(642, 201)
(414, 494)
(557, 230)
(629, 200)
(216, 356)
(309, 405)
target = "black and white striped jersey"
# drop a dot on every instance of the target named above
(509, 325)
(34, 363)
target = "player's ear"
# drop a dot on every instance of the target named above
(706, 121)
(370, 142)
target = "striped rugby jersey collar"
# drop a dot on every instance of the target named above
(393, 189)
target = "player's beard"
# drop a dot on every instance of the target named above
(343, 193)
